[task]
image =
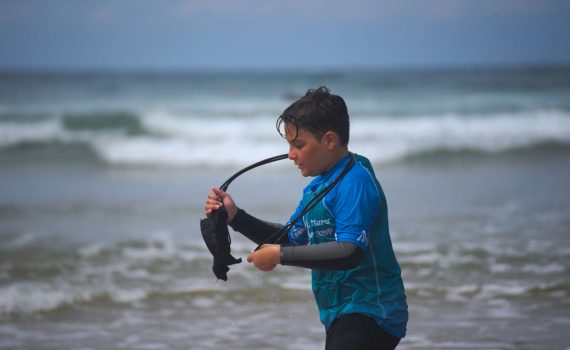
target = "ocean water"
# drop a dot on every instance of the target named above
(103, 178)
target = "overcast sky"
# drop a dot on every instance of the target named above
(265, 34)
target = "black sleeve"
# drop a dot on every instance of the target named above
(255, 229)
(326, 256)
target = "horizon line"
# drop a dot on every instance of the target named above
(93, 69)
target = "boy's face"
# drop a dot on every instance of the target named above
(309, 154)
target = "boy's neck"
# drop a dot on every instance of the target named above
(337, 156)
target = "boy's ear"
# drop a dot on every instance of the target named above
(331, 139)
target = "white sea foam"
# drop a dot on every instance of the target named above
(489, 291)
(180, 140)
(181, 152)
(462, 293)
(394, 138)
(128, 295)
(19, 241)
(500, 268)
(208, 129)
(92, 250)
(117, 281)
(464, 345)
(422, 258)
(408, 247)
(123, 272)
(27, 297)
(202, 142)
(543, 269)
(17, 133)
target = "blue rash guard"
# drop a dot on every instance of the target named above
(354, 211)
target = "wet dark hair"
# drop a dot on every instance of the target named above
(318, 111)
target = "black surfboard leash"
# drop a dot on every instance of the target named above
(215, 230)
(225, 185)
(312, 203)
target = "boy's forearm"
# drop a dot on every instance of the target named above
(255, 229)
(326, 256)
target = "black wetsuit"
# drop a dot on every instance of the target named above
(326, 256)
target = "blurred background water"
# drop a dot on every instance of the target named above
(103, 176)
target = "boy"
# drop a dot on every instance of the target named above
(344, 239)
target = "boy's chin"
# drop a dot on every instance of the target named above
(306, 173)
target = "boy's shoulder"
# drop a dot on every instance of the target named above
(359, 181)
(361, 175)
(365, 162)
(363, 168)
(362, 171)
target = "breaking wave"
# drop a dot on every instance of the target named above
(167, 139)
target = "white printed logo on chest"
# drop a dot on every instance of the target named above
(322, 228)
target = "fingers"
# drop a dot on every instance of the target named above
(221, 194)
(214, 201)
(266, 258)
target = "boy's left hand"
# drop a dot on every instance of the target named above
(266, 258)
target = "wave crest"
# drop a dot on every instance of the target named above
(160, 138)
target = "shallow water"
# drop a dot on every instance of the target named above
(103, 179)
(116, 260)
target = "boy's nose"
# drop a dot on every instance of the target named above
(291, 155)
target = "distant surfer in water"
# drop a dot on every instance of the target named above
(344, 238)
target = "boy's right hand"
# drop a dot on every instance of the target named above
(217, 199)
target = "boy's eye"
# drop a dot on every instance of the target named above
(298, 145)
